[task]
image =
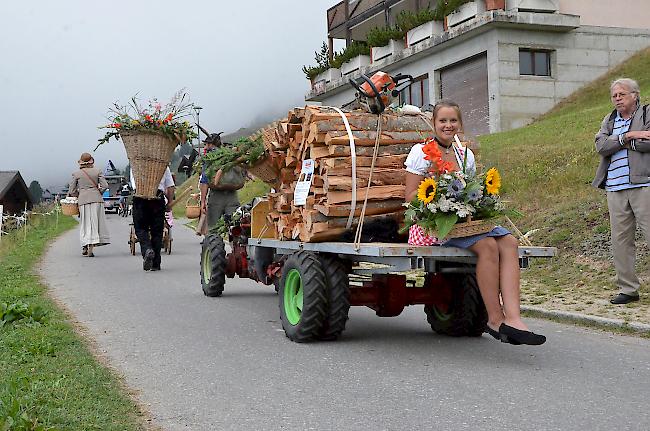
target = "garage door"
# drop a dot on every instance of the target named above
(466, 84)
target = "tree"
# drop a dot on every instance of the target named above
(36, 191)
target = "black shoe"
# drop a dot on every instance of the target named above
(84, 250)
(622, 298)
(155, 268)
(517, 336)
(148, 260)
(501, 337)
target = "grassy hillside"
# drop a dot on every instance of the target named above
(547, 169)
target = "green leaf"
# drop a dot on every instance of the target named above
(445, 223)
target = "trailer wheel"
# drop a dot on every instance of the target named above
(466, 315)
(213, 264)
(302, 297)
(338, 298)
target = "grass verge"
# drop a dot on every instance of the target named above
(50, 379)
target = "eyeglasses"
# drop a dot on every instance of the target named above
(621, 94)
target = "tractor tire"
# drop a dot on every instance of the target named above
(466, 315)
(303, 297)
(213, 265)
(338, 298)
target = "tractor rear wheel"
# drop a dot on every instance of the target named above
(466, 314)
(338, 298)
(303, 297)
(213, 265)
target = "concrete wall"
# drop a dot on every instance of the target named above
(579, 57)
(608, 13)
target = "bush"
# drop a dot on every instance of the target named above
(355, 49)
(442, 9)
(407, 20)
(322, 63)
(380, 36)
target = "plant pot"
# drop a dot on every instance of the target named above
(381, 52)
(548, 6)
(495, 4)
(465, 12)
(355, 64)
(424, 32)
(329, 75)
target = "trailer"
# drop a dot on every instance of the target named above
(317, 283)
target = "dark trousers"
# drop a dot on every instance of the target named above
(148, 222)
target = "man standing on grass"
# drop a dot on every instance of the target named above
(623, 144)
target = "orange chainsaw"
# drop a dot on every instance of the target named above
(377, 92)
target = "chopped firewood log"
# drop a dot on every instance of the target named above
(344, 150)
(374, 193)
(372, 208)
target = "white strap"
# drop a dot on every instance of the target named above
(353, 153)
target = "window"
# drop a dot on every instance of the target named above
(417, 93)
(534, 62)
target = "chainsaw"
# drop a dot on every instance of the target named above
(375, 93)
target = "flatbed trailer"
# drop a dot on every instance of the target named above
(318, 282)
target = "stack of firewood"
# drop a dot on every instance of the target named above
(319, 133)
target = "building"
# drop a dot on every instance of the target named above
(14, 194)
(504, 67)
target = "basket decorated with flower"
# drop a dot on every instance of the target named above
(454, 204)
(150, 135)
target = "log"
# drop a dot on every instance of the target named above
(394, 123)
(372, 208)
(364, 138)
(374, 193)
(343, 165)
(380, 177)
(344, 150)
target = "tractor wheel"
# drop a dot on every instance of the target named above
(213, 264)
(338, 298)
(303, 297)
(466, 314)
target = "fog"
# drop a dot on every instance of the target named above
(64, 63)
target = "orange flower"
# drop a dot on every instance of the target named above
(148, 117)
(431, 150)
(444, 167)
(168, 118)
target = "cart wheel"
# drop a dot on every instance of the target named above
(132, 240)
(213, 264)
(303, 297)
(338, 298)
(466, 314)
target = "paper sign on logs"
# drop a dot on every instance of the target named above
(313, 149)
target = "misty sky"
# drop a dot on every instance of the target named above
(63, 64)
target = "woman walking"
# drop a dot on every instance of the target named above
(88, 183)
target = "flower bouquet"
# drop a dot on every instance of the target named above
(150, 135)
(453, 204)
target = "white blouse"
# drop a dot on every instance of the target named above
(416, 163)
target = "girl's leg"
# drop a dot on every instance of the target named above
(509, 280)
(487, 275)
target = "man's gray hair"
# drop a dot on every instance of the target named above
(628, 83)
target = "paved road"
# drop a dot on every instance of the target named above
(224, 363)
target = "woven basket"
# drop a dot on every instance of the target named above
(266, 170)
(192, 208)
(149, 154)
(471, 227)
(70, 209)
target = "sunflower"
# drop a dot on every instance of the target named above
(493, 181)
(427, 190)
